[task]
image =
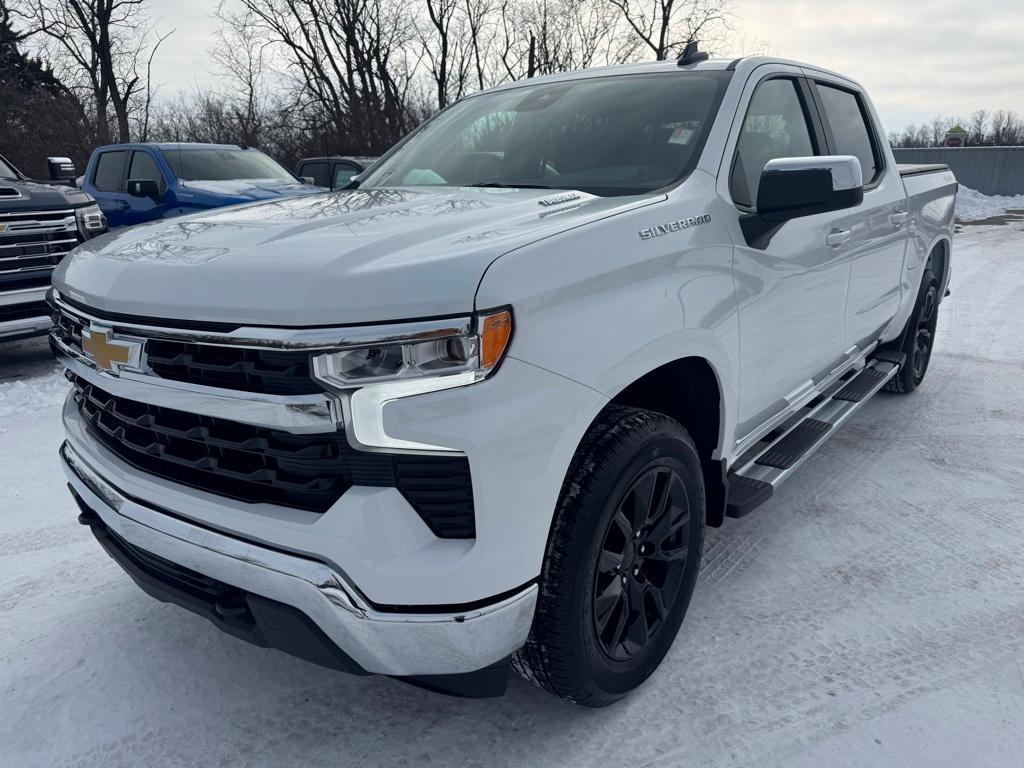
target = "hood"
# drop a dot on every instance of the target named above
(355, 256)
(250, 190)
(37, 196)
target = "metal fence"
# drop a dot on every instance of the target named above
(990, 170)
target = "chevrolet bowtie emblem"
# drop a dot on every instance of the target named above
(111, 352)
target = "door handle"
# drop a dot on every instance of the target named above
(899, 218)
(837, 237)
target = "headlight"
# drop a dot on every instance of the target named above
(91, 221)
(474, 352)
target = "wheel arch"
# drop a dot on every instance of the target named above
(939, 254)
(689, 390)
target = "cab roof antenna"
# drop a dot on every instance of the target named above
(691, 55)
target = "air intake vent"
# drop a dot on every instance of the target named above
(9, 192)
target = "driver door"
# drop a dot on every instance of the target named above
(791, 283)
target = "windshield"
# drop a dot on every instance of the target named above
(613, 135)
(7, 170)
(224, 165)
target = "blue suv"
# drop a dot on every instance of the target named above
(135, 183)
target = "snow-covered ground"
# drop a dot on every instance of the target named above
(871, 614)
(972, 205)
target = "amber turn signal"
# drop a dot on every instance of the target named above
(495, 331)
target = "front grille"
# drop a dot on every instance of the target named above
(251, 370)
(34, 241)
(266, 371)
(23, 311)
(258, 465)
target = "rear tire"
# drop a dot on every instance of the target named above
(622, 559)
(919, 337)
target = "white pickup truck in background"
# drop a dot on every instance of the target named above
(476, 410)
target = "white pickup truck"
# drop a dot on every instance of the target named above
(476, 410)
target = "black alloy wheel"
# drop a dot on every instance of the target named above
(642, 562)
(622, 559)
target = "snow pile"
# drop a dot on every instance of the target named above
(972, 205)
(42, 393)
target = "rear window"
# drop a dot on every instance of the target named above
(850, 130)
(109, 175)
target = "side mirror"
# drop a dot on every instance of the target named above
(792, 187)
(144, 188)
(61, 169)
(307, 180)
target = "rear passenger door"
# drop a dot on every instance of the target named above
(876, 229)
(108, 185)
(791, 284)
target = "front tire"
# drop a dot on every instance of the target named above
(622, 559)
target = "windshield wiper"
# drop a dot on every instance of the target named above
(499, 185)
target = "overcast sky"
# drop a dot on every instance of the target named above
(917, 58)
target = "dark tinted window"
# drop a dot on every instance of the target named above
(110, 171)
(613, 135)
(849, 128)
(775, 126)
(210, 164)
(343, 174)
(144, 167)
(318, 171)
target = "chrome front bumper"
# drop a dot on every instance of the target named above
(389, 643)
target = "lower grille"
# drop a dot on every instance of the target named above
(257, 465)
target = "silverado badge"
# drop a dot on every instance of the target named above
(109, 351)
(673, 226)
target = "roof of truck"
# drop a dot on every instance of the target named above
(162, 145)
(741, 64)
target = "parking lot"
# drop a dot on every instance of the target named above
(872, 613)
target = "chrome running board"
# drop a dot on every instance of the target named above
(774, 459)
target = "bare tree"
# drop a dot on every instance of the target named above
(448, 48)
(664, 27)
(979, 125)
(101, 48)
(349, 60)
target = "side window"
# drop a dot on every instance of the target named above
(144, 167)
(109, 176)
(850, 130)
(318, 171)
(775, 126)
(343, 174)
